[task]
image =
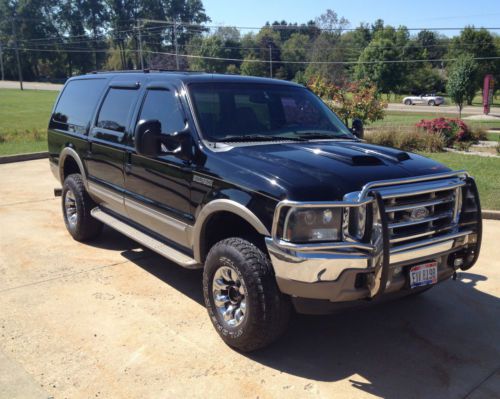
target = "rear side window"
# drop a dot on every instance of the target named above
(77, 103)
(162, 105)
(116, 109)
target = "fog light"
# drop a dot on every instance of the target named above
(458, 262)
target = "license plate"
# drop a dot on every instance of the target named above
(423, 274)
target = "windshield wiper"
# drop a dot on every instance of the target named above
(258, 137)
(316, 135)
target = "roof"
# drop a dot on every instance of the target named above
(189, 77)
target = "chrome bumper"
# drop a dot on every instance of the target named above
(327, 265)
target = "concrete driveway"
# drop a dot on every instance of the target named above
(111, 320)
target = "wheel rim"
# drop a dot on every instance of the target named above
(70, 208)
(229, 294)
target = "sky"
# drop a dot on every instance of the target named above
(412, 14)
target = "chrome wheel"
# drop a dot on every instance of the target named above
(229, 295)
(70, 209)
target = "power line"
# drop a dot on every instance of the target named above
(267, 61)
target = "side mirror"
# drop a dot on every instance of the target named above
(148, 137)
(357, 128)
(179, 144)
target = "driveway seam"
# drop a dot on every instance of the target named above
(27, 202)
(481, 382)
(71, 274)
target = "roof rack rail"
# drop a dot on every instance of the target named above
(145, 71)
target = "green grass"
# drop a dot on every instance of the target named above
(484, 169)
(494, 136)
(24, 116)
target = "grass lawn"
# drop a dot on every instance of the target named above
(486, 171)
(24, 116)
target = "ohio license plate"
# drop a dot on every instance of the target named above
(424, 274)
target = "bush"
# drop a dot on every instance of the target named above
(479, 134)
(407, 140)
(452, 129)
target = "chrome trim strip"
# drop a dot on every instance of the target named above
(325, 246)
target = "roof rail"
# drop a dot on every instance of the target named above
(145, 71)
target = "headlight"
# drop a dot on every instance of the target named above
(354, 225)
(313, 224)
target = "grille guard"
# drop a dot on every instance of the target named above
(379, 252)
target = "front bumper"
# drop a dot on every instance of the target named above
(347, 271)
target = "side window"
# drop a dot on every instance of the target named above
(162, 105)
(116, 109)
(77, 103)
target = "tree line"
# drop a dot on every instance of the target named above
(57, 39)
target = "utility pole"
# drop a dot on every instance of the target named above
(140, 44)
(270, 61)
(1, 61)
(20, 73)
(175, 44)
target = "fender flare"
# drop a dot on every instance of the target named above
(223, 205)
(70, 152)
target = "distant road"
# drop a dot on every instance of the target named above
(7, 84)
(442, 109)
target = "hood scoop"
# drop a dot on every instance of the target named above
(359, 153)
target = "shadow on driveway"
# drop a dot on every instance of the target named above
(439, 344)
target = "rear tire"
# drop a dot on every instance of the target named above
(432, 103)
(243, 301)
(76, 207)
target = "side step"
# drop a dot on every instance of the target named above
(145, 239)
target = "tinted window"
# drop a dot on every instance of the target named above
(226, 111)
(163, 106)
(77, 103)
(116, 109)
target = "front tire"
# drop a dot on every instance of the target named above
(432, 103)
(242, 298)
(76, 207)
(407, 102)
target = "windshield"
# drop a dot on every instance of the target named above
(252, 112)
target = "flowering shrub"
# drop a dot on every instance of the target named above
(452, 129)
(353, 100)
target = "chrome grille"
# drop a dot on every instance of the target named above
(420, 211)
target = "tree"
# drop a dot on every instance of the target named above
(462, 80)
(376, 60)
(296, 49)
(252, 66)
(478, 43)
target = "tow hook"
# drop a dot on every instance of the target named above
(57, 192)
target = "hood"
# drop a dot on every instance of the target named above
(316, 171)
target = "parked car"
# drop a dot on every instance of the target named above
(429, 99)
(257, 182)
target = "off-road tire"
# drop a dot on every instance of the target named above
(86, 227)
(267, 309)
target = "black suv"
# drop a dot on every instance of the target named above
(257, 182)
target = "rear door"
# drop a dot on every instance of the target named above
(107, 151)
(158, 189)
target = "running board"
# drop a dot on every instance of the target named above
(145, 239)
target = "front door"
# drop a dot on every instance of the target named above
(158, 189)
(106, 157)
